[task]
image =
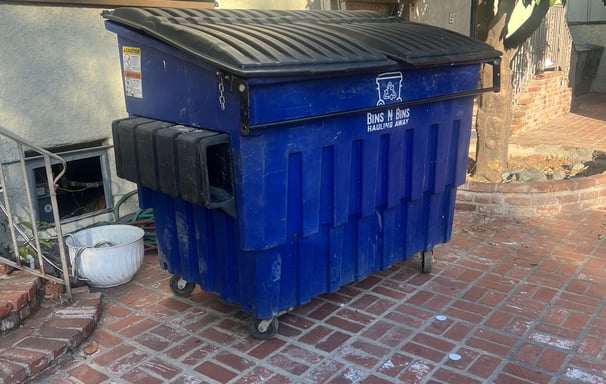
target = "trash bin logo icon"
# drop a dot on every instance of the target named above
(389, 86)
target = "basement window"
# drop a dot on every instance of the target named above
(84, 190)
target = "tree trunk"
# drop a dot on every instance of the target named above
(495, 110)
(493, 126)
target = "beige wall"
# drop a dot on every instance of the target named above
(60, 84)
(453, 14)
(262, 4)
(519, 15)
(60, 78)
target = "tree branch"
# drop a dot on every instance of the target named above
(484, 15)
(516, 39)
(488, 19)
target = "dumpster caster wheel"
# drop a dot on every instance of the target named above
(426, 261)
(180, 287)
(263, 329)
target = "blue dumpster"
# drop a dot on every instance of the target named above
(287, 153)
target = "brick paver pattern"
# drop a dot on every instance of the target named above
(509, 301)
(582, 128)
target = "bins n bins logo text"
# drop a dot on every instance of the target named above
(389, 88)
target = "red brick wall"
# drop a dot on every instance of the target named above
(545, 97)
(533, 199)
(5, 269)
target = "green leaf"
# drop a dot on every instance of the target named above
(551, 2)
(45, 243)
(28, 225)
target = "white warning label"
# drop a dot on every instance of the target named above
(131, 63)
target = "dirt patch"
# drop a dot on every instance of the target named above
(538, 167)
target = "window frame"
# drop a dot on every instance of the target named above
(583, 12)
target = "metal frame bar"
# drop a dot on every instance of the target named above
(34, 162)
(246, 128)
(16, 229)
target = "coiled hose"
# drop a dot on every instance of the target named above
(142, 218)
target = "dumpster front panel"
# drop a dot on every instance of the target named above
(200, 245)
(272, 101)
(334, 171)
(319, 206)
(325, 209)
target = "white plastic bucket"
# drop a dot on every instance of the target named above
(106, 256)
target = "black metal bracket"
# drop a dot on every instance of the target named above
(240, 86)
(496, 76)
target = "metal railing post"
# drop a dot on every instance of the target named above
(15, 228)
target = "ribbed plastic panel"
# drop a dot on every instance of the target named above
(415, 43)
(201, 246)
(139, 15)
(269, 42)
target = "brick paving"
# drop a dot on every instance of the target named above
(47, 336)
(509, 301)
(19, 297)
(584, 127)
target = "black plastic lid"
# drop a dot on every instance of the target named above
(262, 42)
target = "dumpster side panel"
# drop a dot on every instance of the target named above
(172, 86)
(197, 243)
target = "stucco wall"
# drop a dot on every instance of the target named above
(262, 4)
(593, 34)
(60, 83)
(438, 13)
(60, 74)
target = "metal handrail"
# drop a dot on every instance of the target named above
(16, 229)
(552, 42)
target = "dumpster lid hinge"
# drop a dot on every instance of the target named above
(240, 86)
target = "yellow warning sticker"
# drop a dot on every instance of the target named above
(131, 50)
(131, 69)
